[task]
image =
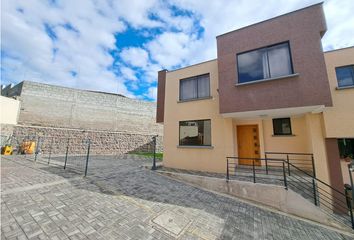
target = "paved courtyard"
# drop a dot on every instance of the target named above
(122, 200)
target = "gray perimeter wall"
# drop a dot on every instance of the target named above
(50, 115)
(55, 106)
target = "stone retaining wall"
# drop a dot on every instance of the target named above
(102, 142)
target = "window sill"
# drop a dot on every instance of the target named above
(194, 99)
(342, 88)
(190, 146)
(288, 135)
(267, 79)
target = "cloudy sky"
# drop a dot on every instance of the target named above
(119, 45)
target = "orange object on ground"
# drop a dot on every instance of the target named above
(6, 150)
(27, 147)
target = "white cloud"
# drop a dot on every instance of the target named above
(172, 21)
(221, 16)
(150, 72)
(128, 73)
(340, 24)
(135, 56)
(152, 93)
(80, 57)
(76, 58)
(136, 12)
(170, 49)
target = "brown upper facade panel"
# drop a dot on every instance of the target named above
(306, 85)
(161, 83)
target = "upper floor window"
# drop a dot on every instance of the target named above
(194, 87)
(282, 126)
(268, 62)
(345, 76)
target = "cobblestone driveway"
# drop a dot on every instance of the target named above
(121, 200)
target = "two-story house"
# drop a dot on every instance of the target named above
(271, 89)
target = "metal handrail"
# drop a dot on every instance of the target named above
(301, 175)
(253, 165)
(292, 165)
(329, 201)
(327, 207)
(289, 153)
(288, 159)
(325, 196)
(262, 159)
(318, 180)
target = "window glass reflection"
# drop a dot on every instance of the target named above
(195, 133)
(269, 62)
(345, 76)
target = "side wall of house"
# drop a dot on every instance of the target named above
(202, 159)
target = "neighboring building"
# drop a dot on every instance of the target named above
(10, 109)
(339, 119)
(55, 106)
(268, 91)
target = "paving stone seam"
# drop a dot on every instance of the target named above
(41, 164)
(36, 186)
(18, 224)
(56, 223)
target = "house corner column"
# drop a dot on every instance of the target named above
(327, 163)
(317, 145)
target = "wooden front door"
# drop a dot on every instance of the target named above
(248, 144)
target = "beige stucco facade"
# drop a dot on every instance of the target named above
(339, 119)
(310, 130)
(223, 129)
(212, 158)
(9, 110)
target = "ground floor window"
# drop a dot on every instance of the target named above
(282, 126)
(195, 133)
(346, 147)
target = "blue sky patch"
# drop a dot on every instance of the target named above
(73, 73)
(50, 31)
(70, 27)
(133, 38)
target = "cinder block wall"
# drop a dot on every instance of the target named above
(55, 106)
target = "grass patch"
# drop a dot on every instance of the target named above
(159, 156)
